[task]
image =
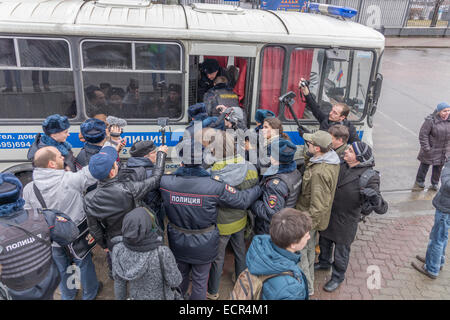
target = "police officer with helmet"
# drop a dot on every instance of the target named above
(27, 267)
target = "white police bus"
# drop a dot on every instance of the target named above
(54, 52)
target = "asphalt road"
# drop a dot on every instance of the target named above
(415, 81)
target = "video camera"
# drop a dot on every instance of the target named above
(288, 98)
(163, 122)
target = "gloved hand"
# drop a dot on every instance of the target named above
(369, 193)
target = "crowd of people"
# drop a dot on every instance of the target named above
(218, 196)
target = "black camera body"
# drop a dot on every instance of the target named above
(304, 83)
(288, 98)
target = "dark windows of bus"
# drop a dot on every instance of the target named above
(271, 78)
(35, 87)
(106, 55)
(38, 53)
(132, 96)
(158, 57)
(149, 88)
(7, 52)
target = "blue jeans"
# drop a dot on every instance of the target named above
(88, 277)
(435, 257)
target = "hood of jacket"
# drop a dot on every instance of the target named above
(330, 157)
(128, 264)
(47, 179)
(139, 162)
(232, 171)
(264, 258)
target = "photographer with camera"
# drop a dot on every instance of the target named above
(337, 115)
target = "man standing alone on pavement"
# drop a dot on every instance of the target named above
(63, 191)
(434, 260)
(318, 188)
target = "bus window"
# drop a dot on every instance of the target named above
(347, 81)
(140, 81)
(7, 53)
(271, 78)
(39, 82)
(106, 55)
(362, 67)
(44, 53)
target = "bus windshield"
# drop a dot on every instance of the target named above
(342, 77)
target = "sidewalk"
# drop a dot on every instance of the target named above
(387, 244)
(417, 42)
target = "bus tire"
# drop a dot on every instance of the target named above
(23, 171)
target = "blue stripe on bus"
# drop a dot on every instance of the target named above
(25, 140)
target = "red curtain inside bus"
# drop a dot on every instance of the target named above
(271, 75)
(299, 67)
(239, 88)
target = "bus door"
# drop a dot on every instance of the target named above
(236, 60)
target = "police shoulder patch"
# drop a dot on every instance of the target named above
(276, 181)
(272, 201)
(230, 188)
(61, 219)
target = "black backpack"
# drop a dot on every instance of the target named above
(367, 207)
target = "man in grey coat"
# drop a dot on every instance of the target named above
(63, 191)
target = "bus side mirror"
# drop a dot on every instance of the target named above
(377, 87)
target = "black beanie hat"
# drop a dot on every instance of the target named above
(142, 148)
(210, 66)
(363, 151)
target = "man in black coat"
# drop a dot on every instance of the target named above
(106, 205)
(191, 198)
(346, 211)
(337, 115)
(143, 154)
(209, 71)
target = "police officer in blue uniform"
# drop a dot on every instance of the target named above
(191, 198)
(27, 267)
(280, 185)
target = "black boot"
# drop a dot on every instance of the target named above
(332, 285)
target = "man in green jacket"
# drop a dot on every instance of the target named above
(316, 198)
(240, 174)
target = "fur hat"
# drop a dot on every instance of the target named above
(93, 130)
(262, 114)
(10, 188)
(55, 123)
(286, 150)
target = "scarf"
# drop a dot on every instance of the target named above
(63, 147)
